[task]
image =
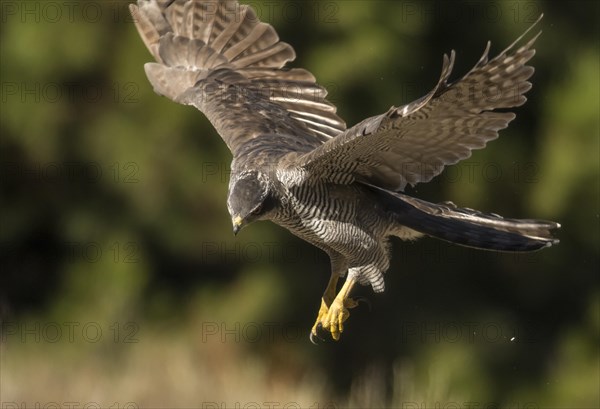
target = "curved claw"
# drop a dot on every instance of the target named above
(315, 339)
(364, 300)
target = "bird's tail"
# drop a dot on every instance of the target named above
(469, 227)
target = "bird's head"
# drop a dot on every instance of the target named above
(250, 198)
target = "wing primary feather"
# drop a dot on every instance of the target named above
(219, 57)
(413, 143)
(518, 40)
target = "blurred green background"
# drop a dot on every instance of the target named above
(122, 285)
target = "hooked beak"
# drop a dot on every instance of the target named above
(238, 222)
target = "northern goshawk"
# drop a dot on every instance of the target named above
(295, 162)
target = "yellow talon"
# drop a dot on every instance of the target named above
(331, 318)
(320, 317)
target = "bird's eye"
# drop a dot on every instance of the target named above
(258, 210)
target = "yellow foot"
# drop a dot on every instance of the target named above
(331, 318)
(320, 317)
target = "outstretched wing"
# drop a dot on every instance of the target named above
(217, 56)
(414, 143)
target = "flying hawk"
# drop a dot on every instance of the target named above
(297, 164)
